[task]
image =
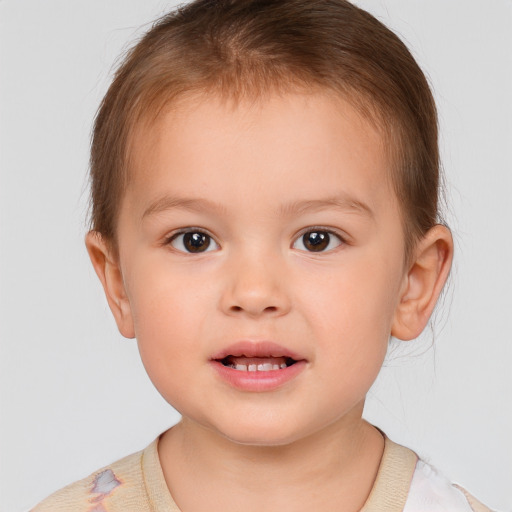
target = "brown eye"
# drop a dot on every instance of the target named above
(193, 242)
(196, 242)
(317, 241)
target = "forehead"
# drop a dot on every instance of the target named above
(284, 147)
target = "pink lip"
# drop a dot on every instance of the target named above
(257, 381)
(256, 349)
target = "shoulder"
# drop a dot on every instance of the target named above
(406, 483)
(430, 491)
(116, 487)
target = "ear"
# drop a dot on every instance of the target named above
(423, 283)
(106, 265)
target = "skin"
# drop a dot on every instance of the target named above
(251, 171)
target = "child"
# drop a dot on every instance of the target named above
(265, 181)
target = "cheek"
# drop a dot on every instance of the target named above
(164, 297)
(168, 328)
(358, 297)
(351, 313)
(354, 328)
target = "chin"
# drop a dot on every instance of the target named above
(262, 440)
(263, 434)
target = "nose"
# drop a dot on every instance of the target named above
(256, 286)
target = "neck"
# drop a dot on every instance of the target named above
(206, 471)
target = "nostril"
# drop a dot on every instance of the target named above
(268, 309)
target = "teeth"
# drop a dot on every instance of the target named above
(264, 367)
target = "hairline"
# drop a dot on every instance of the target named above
(150, 110)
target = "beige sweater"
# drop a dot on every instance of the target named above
(136, 484)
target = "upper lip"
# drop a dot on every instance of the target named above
(248, 348)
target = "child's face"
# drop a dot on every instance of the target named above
(298, 253)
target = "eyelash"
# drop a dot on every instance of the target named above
(321, 229)
(300, 238)
(191, 231)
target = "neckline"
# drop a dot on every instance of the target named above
(388, 494)
(391, 487)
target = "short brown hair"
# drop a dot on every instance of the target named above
(241, 48)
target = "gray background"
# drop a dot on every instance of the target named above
(74, 395)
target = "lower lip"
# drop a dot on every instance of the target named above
(258, 381)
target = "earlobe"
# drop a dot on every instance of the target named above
(423, 283)
(107, 268)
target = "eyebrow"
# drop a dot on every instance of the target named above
(184, 203)
(341, 202)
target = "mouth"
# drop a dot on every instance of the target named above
(257, 358)
(257, 366)
(244, 363)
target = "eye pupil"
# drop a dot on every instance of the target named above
(196, 242)
(316, 240)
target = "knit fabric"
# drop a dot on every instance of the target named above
(136, 484)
